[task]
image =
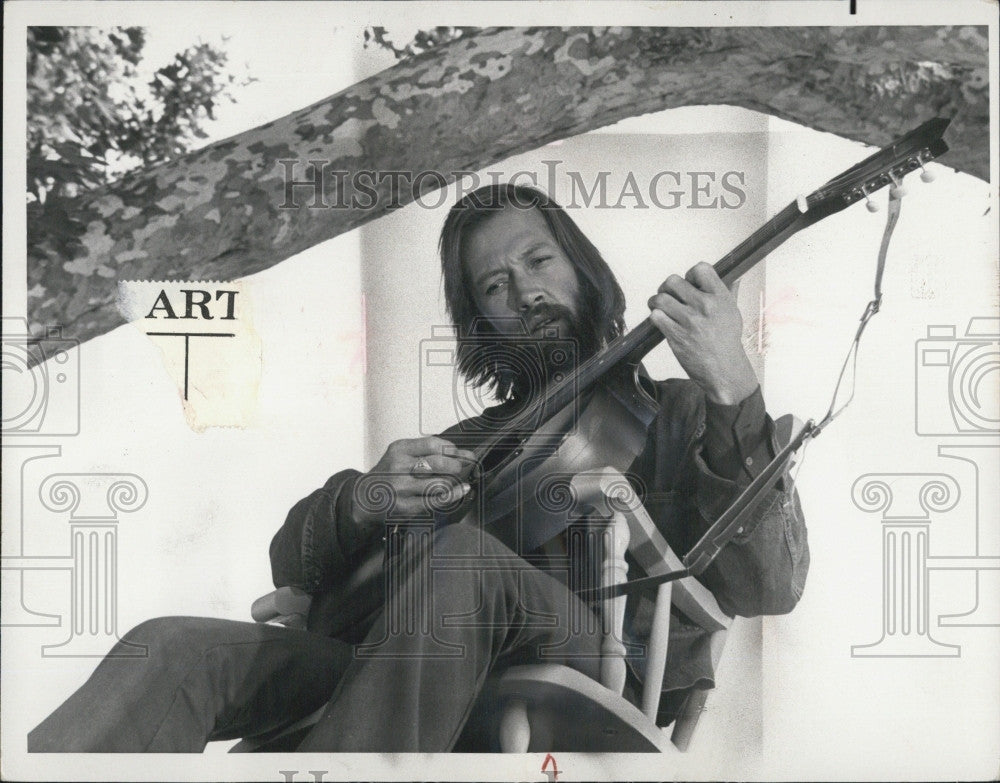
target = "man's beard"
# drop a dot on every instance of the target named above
(562, 346)
(518, 364)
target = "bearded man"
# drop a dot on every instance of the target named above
(515, 265)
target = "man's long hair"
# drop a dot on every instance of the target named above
(600, 313)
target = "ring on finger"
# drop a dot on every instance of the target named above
(421, 466)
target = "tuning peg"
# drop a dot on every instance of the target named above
(870, 205)
(897, 190)
(925, 175)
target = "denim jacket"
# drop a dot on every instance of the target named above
(761, 571)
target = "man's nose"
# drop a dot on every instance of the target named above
(522, 296)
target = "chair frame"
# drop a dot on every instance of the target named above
(613, 723)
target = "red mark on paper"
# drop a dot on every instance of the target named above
(779, 310)
(363, 348)
(554, 774)
(358, 339)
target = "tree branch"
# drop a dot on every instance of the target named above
(216, 214)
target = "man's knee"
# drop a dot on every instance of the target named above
(168, 633)
(467, 540)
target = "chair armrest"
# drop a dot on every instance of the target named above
(285, 606)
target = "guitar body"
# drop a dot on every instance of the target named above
(527, 501)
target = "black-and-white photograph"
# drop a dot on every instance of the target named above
(386, 399)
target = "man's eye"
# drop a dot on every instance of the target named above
(540, 260)
(495, 287)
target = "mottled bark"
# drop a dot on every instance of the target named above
(216, 214)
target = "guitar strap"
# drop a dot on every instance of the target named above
(870, 309)
(733, 518)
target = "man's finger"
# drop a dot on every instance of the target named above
(419, 485)
(704, 277)
(451, 450)
(677, 312)
(416, 493)
(421, 447)
(439, 464)
(663, 322)
(679, 288)
(432, 444)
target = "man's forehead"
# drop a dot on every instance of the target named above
(510, 232)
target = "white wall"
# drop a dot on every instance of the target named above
(913, 718)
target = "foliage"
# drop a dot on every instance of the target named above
(423, 41)
(91, 117)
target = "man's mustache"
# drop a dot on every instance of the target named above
(545, 312)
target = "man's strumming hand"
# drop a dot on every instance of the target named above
(699, 318)
(412, 477)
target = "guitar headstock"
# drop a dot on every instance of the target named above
(888, 166)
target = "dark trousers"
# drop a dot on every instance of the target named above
(410, 687)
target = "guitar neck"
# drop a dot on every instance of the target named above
(646, 336)
(884, 168)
